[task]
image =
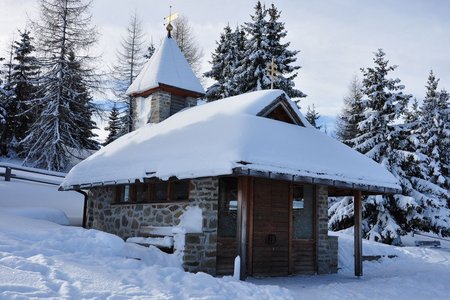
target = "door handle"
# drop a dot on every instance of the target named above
(271, 239)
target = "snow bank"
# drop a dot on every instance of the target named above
(50, 214)
(40, 259)
(20, 195)
(192, 220)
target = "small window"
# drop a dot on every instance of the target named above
(179, 190)
(154, 192)
(161, 191)
(125, 193)
(228, 204)
(302, 212)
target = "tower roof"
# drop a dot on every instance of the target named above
(167, 67)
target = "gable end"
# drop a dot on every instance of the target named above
(280, 110)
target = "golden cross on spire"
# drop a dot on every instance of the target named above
(169, 19)
(273, 72)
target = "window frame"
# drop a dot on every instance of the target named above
(150, 189)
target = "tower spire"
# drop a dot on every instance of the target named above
(169, 19)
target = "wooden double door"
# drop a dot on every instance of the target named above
(271, 222)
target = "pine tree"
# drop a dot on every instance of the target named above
(114, 125)
(347, 121)
(8, 103)
(3, 96)
(23, 86)
(223, 62)
(282, 56)
(150, 51)
(81, 103)
(56, 137)
(444, 142)
(129, 61)
(378, 139)
(432, 133)
(312, 116)
(262, 46)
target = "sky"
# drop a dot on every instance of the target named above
(336, 37)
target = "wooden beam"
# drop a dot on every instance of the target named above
(250, 227)
(243, 192)
(358, 233)
(290, 248)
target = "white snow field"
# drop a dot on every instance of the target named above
(41, 259)
(22, 195)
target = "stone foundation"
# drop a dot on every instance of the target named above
(125, 220)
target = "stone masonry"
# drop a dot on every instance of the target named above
(125, 220)
(160, 106)
(327, 255)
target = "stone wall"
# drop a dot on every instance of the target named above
(125, 220)
(160, 107)
(326, 246)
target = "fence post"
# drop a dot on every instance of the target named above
(8, 174)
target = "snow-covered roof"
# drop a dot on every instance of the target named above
(220, 137)
(167, 66)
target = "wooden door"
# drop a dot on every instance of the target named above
(270, 228)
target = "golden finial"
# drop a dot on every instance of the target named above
(169, 19)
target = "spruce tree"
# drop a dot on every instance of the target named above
(150, 51)
(264, 44)
(225, 60)
(23, 86)
(312, 116)
(114, 125)
(129, 61)
(444, 142)
(378, 137)
(81, 103)
(347, 121)
(282, 56)
(432, 131)
(3, 96)
(56, 137)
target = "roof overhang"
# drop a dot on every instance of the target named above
(339, 188)
(170, 89)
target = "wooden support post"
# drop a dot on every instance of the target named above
(358, 233)
(8, 174)
(243, 191)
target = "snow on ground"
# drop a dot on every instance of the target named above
(416, 273)
(40, 259)
(20, 195)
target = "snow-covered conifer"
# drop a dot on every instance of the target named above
(225, 60)
(378, 138)
(312, 116)
(264, 44)
(150, 51)
(2, 102)
(347, 121)
(55, 136)
(23, 87)
(431, 131)
(114, 125)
